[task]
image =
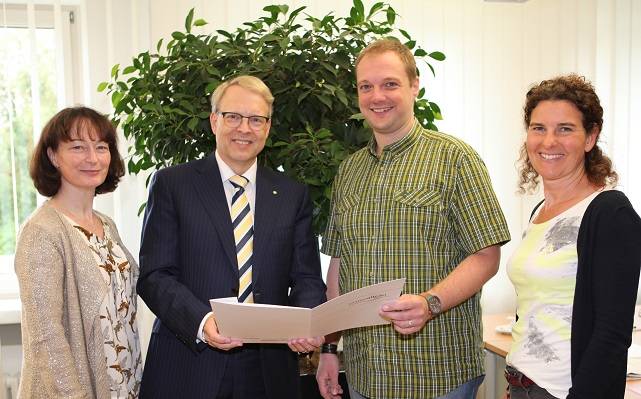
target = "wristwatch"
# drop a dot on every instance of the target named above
(329, 348)
(434, 304)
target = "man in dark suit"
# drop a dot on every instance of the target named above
(218, 227)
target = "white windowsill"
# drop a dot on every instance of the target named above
(10, 306)
(10, 311)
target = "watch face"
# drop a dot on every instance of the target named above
(434, 304)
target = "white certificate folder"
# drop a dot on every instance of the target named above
(259, 323)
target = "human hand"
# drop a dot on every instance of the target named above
(327, 376)
(305, 345)
(409, 313)
(214, 339)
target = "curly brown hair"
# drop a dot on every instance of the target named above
(580, 92)
(62, 127)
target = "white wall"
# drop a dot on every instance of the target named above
(495, 51)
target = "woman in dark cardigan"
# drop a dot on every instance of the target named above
(576, 271)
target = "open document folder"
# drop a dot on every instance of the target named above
(252, 322)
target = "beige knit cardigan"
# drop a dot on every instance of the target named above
(61, 290)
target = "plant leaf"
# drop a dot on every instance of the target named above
(432, 69)
(376, 7)
(188, 20)
(391, 15)
(302, 96)
(225, 33)
(115, 98)
(437, 55)
(141, 209)
(193, 122)
(295, 13)
(273, 10)
(420, 52)
(360, 8)
(114, 71)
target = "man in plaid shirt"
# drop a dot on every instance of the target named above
(417, 204)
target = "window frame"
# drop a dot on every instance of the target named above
(67, 57)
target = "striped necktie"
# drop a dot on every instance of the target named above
(243, 223)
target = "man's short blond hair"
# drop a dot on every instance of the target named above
(248, 82)
(381, 46)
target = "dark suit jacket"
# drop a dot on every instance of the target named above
(188, 256)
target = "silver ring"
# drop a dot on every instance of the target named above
(410, 323)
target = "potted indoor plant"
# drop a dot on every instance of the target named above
(161, 100)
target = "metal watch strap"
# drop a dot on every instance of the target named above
(329, 348)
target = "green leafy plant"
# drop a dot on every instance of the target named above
(161, 100)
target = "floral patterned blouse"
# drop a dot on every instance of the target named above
(117, 314)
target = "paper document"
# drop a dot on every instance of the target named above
(259, 323)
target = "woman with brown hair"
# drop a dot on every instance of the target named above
(576, 270)
(77, 280)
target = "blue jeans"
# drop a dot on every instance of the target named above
(467, 390)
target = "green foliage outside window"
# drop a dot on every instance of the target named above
(16, 112)
(161, 100)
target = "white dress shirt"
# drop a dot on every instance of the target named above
(250, 191)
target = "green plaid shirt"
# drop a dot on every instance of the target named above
(416, 212)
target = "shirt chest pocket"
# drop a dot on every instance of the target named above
(418, 210)
(418, 198)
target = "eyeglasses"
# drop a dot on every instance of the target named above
(234, 119)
